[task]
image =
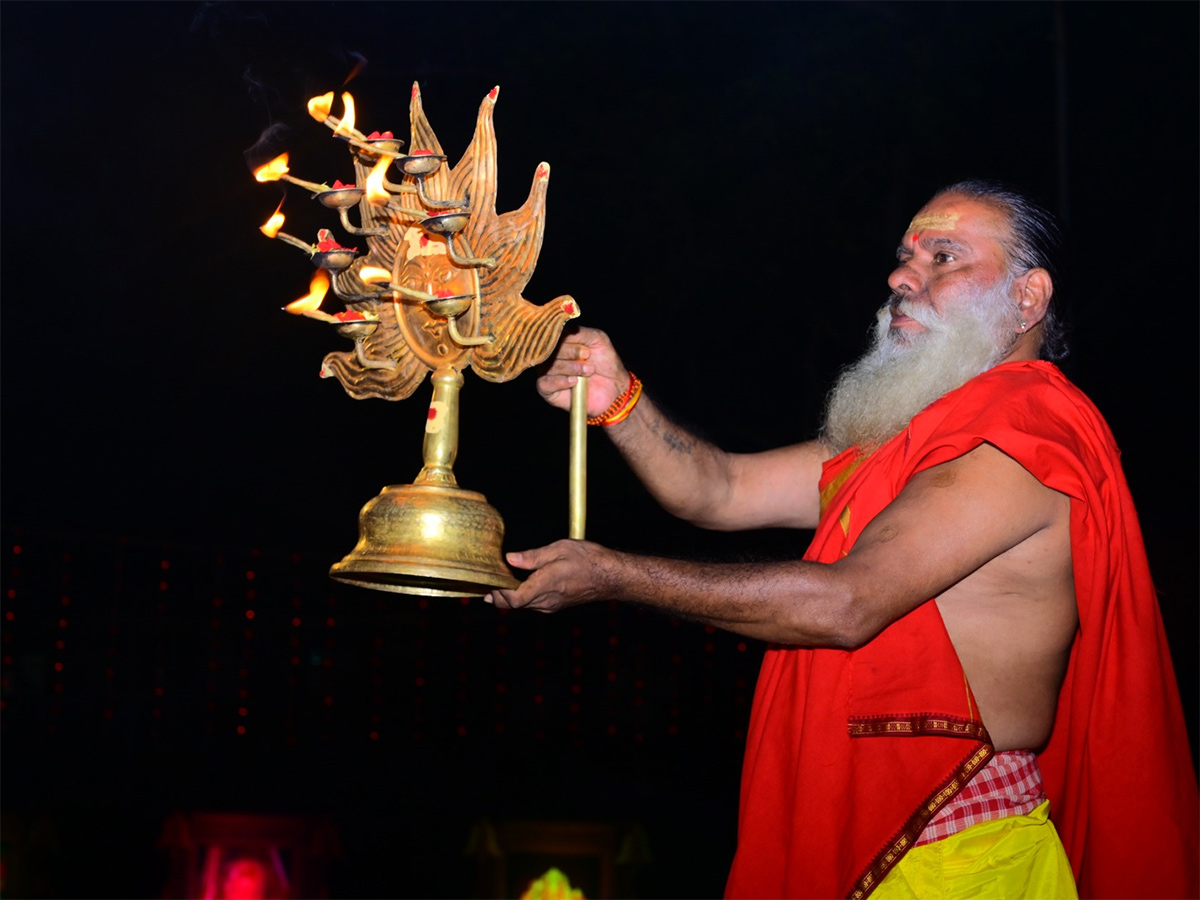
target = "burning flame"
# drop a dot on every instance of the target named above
(376, 193)
(373, 274)
(274, 170)
(273, 224)
(346, 126)
(311, 302)
(319, 107)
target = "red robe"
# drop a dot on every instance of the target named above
(850, 753)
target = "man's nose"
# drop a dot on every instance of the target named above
(905, 279)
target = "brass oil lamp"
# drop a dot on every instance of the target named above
(437, 291)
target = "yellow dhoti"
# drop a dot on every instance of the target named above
(1014, 858)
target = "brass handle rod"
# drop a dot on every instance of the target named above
(577, 489)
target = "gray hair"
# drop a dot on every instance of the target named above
(1034, 242)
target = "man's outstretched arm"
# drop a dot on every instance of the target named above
(948, 523)
(689, 477)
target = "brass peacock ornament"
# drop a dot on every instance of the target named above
(437, 290)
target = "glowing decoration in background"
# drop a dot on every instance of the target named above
(553, 885)
(245, 879)
(227, 856)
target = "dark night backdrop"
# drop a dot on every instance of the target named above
(171, 460)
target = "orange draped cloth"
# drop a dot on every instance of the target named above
(850, 753)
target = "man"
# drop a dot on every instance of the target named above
(902, 745)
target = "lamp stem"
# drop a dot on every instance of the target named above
(441, 429)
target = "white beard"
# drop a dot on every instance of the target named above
(875, 398)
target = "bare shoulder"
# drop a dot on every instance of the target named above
(952, 519)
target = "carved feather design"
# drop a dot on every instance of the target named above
(409, 334)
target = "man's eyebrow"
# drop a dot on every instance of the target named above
(904, 251)
(948, 243)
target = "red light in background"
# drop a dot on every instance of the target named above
(246, 879)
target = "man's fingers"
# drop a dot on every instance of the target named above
(503, 599)
(540, 556)
(554, 384)
(569, 367)
(524, 559)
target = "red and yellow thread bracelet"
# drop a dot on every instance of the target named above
(622, 406)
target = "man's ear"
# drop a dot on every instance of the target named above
(1033, 292)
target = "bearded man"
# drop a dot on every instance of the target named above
(969, 661)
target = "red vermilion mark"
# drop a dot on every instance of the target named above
(915, 236)
(568, 307)
(432, 414)
(414, 93)
(424, 240)
(541, 171)
(328, 245)
(492, 93)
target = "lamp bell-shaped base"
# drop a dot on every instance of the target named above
(435, 540)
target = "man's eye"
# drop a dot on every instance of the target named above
(943, 257)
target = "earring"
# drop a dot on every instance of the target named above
(1024, 325)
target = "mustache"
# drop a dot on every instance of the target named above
(910, 305)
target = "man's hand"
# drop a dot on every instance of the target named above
(566, 573)
(586, 352)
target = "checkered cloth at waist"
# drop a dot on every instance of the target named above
(1009, 785)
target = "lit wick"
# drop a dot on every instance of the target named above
(319, 108)
(271, 230)
(378, 187)
(277, 169)
(375, 275)
(309, 305)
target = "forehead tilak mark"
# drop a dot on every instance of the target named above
(944, 222)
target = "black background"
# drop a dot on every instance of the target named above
(728, 184)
